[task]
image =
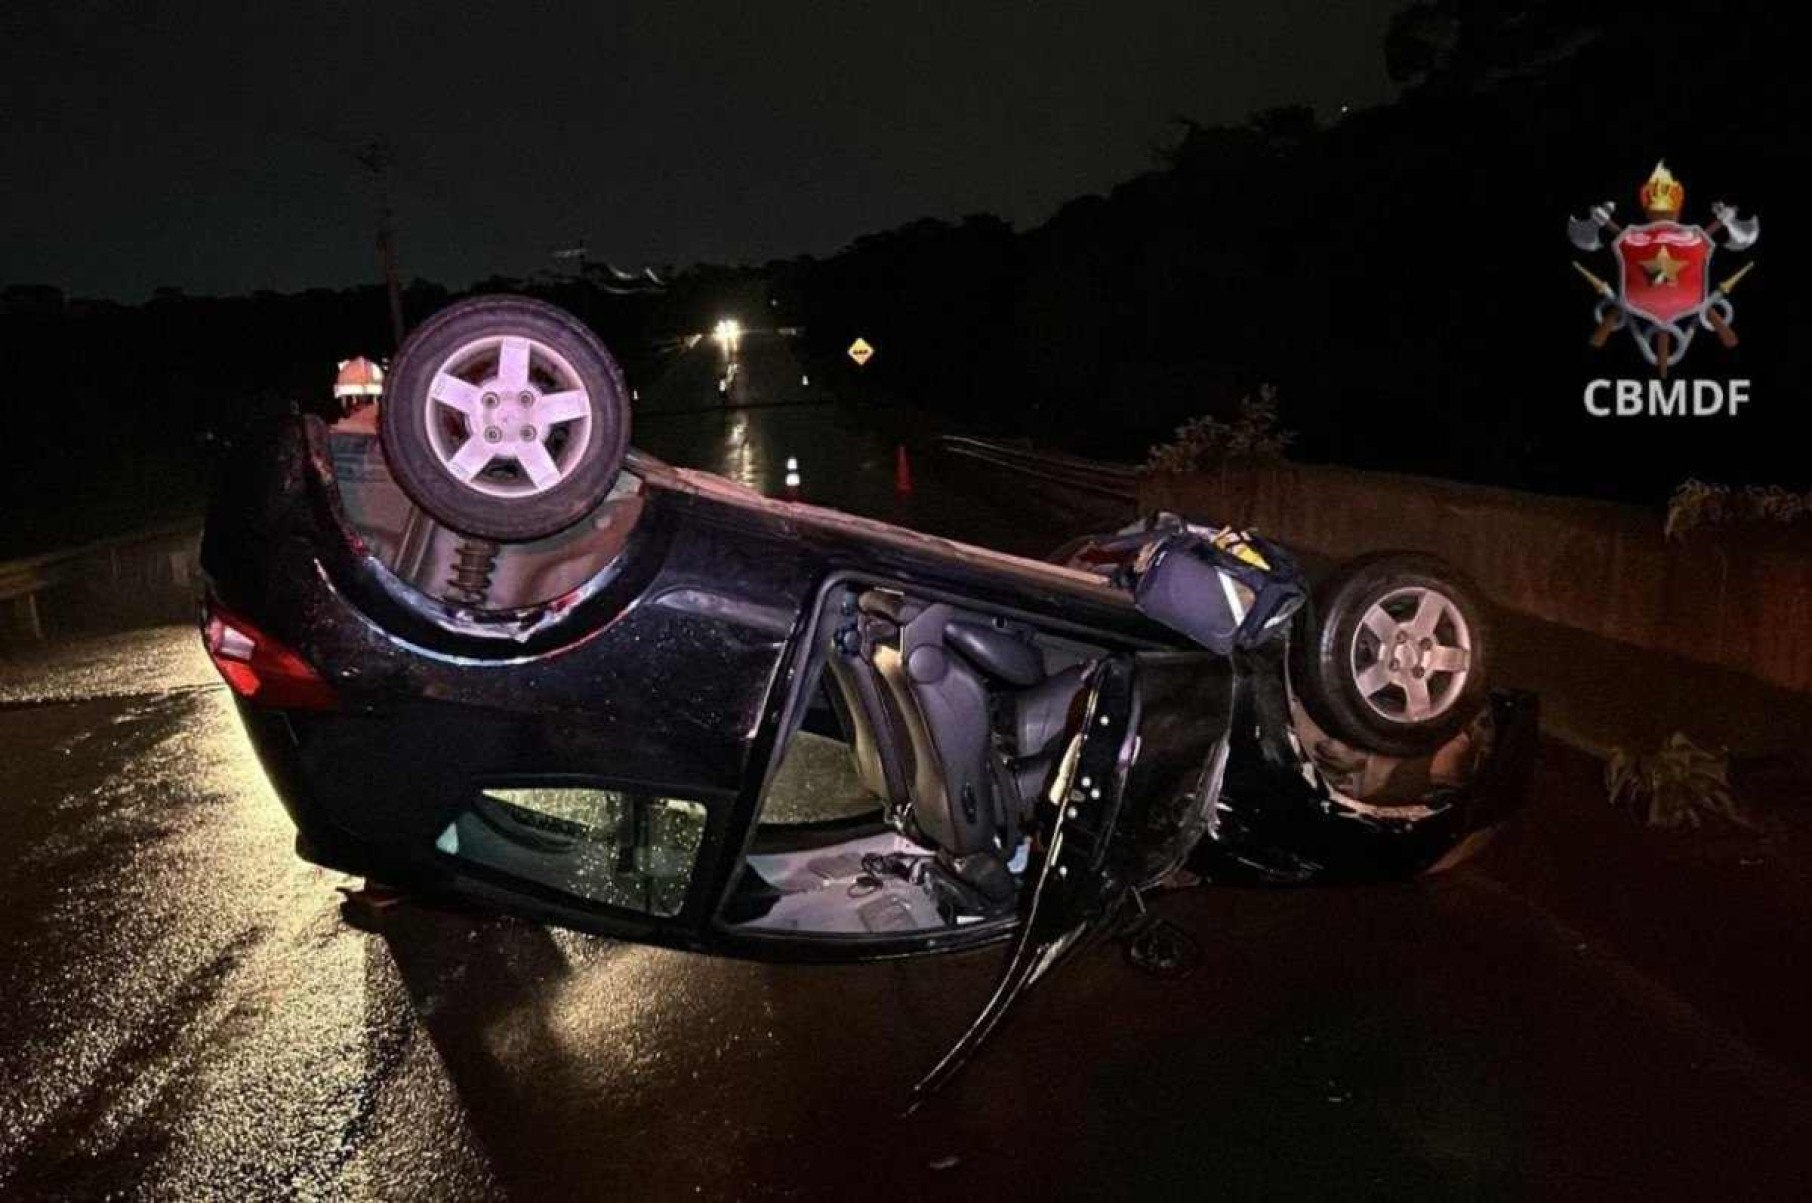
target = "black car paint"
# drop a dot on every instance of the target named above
(672, 672)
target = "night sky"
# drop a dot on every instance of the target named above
(210, 147)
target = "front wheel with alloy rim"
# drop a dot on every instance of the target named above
(1394, 656)
(505, 418)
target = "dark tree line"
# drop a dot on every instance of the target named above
(1401, 274)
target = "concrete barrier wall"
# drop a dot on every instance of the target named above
(1738, 596)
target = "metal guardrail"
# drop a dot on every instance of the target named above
(32, 574)
(1119, 481)
(105, 567)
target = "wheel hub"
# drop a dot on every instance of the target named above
(508, 400)
(513, 418)
(1411, 654)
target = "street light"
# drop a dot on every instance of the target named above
(728, 333)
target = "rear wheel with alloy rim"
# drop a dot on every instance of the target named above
(505, 418)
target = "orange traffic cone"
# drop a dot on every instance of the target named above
(902, 470)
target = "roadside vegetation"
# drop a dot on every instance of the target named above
(1679, 785)
(1208, 443)
(1698, 504)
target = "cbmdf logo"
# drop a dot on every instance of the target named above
(1663, 292)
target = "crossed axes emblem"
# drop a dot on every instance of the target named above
(1663, 301)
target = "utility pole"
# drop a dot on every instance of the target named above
(377, 157)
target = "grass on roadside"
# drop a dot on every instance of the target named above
(1680, 785)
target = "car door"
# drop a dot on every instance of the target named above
(1133, 795)
(1140, 779)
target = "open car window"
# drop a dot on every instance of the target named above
(628, 851)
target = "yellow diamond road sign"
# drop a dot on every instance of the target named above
(860, 351)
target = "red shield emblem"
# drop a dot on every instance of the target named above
(1663, 267)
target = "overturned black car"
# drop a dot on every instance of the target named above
(496, 655)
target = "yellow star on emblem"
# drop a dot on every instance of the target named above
(1663, 268)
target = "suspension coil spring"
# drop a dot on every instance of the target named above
(474, 560)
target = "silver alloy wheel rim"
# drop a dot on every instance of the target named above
(508, 416)
(1411, 655)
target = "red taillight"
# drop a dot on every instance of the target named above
(260, 669)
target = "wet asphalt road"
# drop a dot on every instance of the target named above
(186, 1015)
